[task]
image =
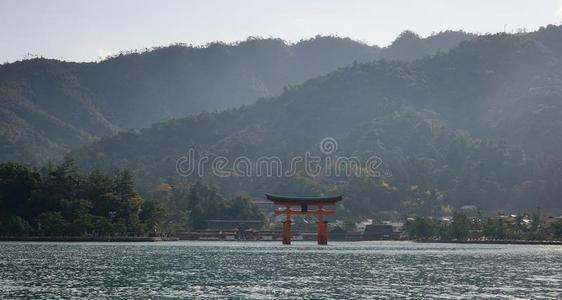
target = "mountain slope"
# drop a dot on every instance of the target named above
(60, 106)
(478, 125)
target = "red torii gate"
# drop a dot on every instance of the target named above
(304, 203)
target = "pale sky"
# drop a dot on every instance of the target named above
(80, 30)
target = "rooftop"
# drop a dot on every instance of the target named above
(304, 200)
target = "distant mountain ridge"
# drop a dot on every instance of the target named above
(48, 107)
(479, 125)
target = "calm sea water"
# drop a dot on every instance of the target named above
(266, 270)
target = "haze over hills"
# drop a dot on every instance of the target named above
(49, 107)
(479, 125)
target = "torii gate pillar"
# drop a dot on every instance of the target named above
(287, 232)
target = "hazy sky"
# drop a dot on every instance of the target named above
(86, 30)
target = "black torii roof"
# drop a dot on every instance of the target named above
(303, 200)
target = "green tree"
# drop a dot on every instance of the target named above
(240, 208)
(82, 220)
(494, 228)
(175, 222)
(153, 216)
(460, 226)
(133, 214)
(556, 228)
(61, 185)
(51, 223)
(16, 226)
(98, 190)
(17, 185)
(102, 226)
(420, 228)
(124, 188)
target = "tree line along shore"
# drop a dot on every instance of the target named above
(58, 203)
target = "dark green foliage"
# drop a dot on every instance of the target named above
(16, 226)
(557, 229)
(240, 208)
(17, 185)
(499, 227)
(420, 228)
(154, 213)
(191, 205)
(61, 201)
(460, 227)
(51, 223)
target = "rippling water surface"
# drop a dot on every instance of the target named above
(265, 270)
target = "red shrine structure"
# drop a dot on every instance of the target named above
(286, 203)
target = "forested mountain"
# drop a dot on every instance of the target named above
(479, 125)
(48, 107)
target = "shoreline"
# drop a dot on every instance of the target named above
(174, 239)
(85, 239)
(497, 242)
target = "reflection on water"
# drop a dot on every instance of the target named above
(269, 270)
